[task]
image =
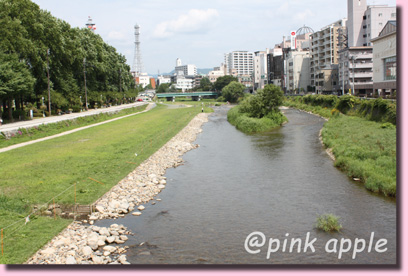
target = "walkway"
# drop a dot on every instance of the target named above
(150, 106)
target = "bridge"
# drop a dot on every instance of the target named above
(194, 95)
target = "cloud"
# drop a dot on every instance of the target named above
(195, 21)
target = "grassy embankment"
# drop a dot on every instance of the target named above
(36, 174)
(41, 131)
(363, 141)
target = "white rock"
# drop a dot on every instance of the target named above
(104, 231)
(71, 260)
(141, 208)
(97, 259)
(163, 182)
(137, 213)
(101, 243)
(109, 248)
(122, 259)
(161, 186)
(87, 251)
(100, 208)
(123, 237)
(111, 239)
(48, 251)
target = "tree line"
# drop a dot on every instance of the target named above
(34, 45)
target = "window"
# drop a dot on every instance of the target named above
(390, 68)
(393, 15)
(380, 14)
(380, 24)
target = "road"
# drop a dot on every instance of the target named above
(13, 127)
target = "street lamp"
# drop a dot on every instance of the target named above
(353, 60)
(86, 95)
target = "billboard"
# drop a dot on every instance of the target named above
(292, 40)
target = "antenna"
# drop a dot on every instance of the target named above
(137, 67)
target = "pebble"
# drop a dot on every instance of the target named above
(140, 186)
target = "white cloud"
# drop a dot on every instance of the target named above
(195, 21)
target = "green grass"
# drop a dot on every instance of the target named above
(364, 149)
(328, 223)
(55, 128)
(247, 124)
(37, 173)
(322, 111)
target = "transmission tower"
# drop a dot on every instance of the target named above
(137, 67)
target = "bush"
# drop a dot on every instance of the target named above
(328, 223)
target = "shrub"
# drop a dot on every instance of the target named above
(328, 223)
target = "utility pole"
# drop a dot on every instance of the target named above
(353, 59)
(86, 95)
(120, 79)
(48, 76)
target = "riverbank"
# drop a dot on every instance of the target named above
(87, 244)
(363, 148)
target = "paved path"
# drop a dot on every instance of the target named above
(150, 106)
(13, 127)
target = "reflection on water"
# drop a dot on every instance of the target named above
(276, 183)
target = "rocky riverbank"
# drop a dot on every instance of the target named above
(84, 243)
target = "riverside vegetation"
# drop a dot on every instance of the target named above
(260, 112)
(37, 173)
(361, 135)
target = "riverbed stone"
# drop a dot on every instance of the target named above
(139, 187)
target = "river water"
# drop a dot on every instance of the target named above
(275, 183)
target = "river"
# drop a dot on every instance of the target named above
(276, 183)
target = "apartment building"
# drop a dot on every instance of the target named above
(365, 22)
(325, 47)
(356, 70)
(298, 71)
(185, 70)
(242, 62)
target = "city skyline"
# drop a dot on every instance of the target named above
(197, 33)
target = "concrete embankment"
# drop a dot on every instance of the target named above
(84, 243)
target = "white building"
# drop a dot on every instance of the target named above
(365, 22)
(298, 71)
(143, 79)
(186, 70)
(242, 62)
(260, 69)
(385, 60)
(163, 79)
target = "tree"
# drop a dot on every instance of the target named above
(266, 101)
(15, 80)
(163, 87)
(205, 84)
(221, 82)
(233, 91)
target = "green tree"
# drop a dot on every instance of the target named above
(205, 84)
(233, 91)
(15, 80)
(221, 82)
(265, 102)
(163, 87)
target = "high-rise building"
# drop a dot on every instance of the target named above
(260, 69)
(325, 46)
(365, 22)
(240, 61)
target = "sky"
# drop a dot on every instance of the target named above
(197, 32)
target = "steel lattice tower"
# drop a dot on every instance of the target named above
(137, 67)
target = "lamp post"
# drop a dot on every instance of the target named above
(86, 95)
(48, 77)
(353, 60)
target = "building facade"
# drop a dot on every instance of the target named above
(242, 62)
(298, 71)
(385, 61)
(365, 22)
(356, 70)
(325, 47)
(260, 76)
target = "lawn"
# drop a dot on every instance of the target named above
(47, 171)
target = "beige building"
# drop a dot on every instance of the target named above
(298, 71)
(356, 70)
(325, 47)
(385, 60)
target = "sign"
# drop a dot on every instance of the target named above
(292, 40)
